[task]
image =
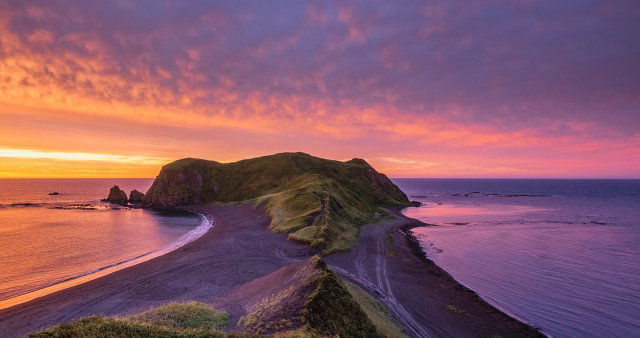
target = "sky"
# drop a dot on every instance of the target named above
(504, 89)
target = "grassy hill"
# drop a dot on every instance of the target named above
(317, 201)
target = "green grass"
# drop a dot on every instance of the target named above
(317, 303)
(458, 311)
(331, 309)
(317, 201)
(172, 320)
(117, 327)
(381, 215)
(190, 315)
(376, 311)
(391, 252)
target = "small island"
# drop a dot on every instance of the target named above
(301, 246)
(116, 196)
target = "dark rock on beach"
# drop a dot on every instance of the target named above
(136, 197)
(416, 204)
(55, 193)
(117, 196)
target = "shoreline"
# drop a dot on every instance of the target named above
(193, 234)
(206, 269)
(418, 250)
(437, 303)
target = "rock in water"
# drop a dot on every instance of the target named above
(136, 197)
(117, 195)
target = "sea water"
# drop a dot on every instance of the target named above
(562, 255)
(48, 239)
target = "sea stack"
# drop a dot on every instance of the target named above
(117, 196)
(136, 197)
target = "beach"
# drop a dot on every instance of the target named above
(240, 248)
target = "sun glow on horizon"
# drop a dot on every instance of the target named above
(74, 156)
(30, 163)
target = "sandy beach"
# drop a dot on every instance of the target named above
(240, 248)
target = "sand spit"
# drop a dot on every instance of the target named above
(240, 249)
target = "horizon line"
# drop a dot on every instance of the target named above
(390, 177)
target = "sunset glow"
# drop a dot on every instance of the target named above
(437, 89)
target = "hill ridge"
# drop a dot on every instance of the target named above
(317, 201)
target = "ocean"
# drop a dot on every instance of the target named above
(561, 255)
(49, 239)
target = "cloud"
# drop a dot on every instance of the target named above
(447, 73)
(70, 156)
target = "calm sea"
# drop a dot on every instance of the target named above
(562, 255)
(47, 239)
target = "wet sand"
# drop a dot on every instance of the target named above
(240, 249)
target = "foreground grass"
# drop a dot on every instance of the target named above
(119, 327)
(190, 315)
(171, 320)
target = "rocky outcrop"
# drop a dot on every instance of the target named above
(136, 197)
(416, 204)
(117, 196)
(174, 188)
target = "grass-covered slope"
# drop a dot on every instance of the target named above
(171, 320)
(306, 297)
(317, 201)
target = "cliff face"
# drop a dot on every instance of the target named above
(318, 201)
(174, 188)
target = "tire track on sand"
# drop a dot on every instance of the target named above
(383, 287)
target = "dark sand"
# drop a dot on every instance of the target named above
(240, 249)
